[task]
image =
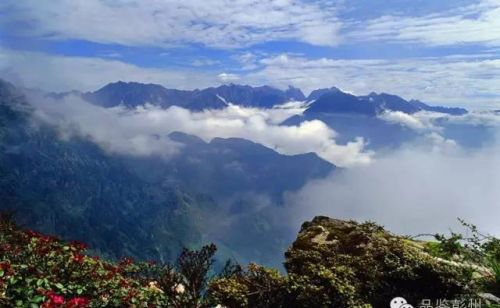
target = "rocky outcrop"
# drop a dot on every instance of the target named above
(345, 264)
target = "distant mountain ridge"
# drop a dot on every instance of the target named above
(240, 166)
(327, 100)
(54, 185)
(147, 207)
(334, 101)
(132, 94)
(315, 94)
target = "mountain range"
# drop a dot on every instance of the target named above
(350, 115)
(146, 207)
(225, 190)
(327, 100)
(132, 94)
(334, 101)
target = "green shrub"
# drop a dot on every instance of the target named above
(42, 271)
(39, 270)
(255, 287)
(368, 265)
(332, 263)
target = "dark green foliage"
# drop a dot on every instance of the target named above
(486, 251)
(332, 263)
(74, 189)
(139, 206)
(42, 271)
(449, 246)
(37, 270)
(255, 287)
(375, 264)
(336, 263)
(185, 282)
(479, 250)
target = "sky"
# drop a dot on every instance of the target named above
(441, 52)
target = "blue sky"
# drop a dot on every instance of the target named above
(445, 52)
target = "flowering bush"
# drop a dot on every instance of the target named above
(42, 271)
(331, 264)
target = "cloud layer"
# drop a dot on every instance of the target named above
(471, 24)
(230, 24)
(418, 189)
(144, 131)
(219, 24)
(64, 73)
(422, 187)
(460, 80)
(438, 52)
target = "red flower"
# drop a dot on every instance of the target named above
(32, 233)
(47, 238)
(124, 283)
(6, 247)
(55, 298)
(6, 268)
(77, 302)
(49, 304)
(78, 245)
(78, 258)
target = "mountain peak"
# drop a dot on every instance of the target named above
(295, 94)
(320, 92)
(371, 104)
(337, 101)
(329, 100)
(132, 94)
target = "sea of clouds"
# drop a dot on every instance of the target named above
(421, 187)
(144, 130)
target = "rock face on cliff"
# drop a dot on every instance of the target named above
(337, 263)
(345, 264)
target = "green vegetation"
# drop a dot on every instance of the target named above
(54, 184)
(332, 263)
(478, 251)
(42, 271)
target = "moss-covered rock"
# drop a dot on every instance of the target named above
(345, 264)
(336, 263)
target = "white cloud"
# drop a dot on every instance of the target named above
(247, 60)
(463, 25)
(228, 77)
(240, 23)
(416, 122)
(204, 62)
(486, 118)
(432, 122)
(144, 131)
(214, 23)
(64, 73)
(106, 127)
(457, 81)
(410, 191)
